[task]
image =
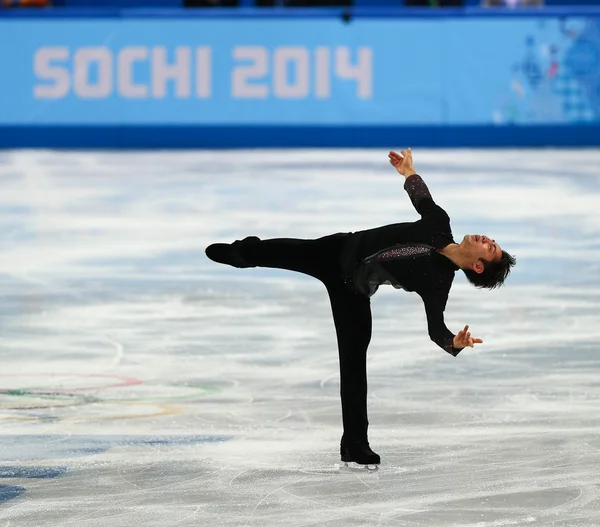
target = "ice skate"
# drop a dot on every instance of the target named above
(357, 455)
(229, 253)
(352, 466)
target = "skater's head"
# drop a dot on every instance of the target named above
(486, 264)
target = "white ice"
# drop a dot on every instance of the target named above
(143, 385)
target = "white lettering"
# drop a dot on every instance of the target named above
(179, 72)
(362, 72)
(127, 58)
(291, 72)
(322, 74)
(241, 87)
(298, 57)
(44, 70)
(84, 59)
(203, 72)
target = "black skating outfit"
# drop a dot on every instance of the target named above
(352, 266)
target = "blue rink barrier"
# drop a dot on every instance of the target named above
(263, 78)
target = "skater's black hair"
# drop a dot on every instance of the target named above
(494, 273)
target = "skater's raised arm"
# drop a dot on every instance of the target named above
(435, 304)
(414, 185)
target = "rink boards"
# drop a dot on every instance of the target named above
(140, 79)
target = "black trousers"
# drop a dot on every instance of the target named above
(351, 313)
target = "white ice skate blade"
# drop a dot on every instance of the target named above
(355, 467)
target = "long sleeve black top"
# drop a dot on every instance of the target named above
(405, 256)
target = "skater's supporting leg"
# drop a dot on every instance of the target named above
(353, 324)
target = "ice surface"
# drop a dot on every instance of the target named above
(142, 384)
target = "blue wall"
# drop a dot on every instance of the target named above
(143, 79)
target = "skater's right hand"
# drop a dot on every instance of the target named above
(402, 162)
(464, 339)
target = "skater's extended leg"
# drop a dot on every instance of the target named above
(353, 324)
(317, 258)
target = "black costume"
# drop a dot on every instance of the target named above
(352, 266)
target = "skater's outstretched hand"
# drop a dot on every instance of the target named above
(402, 162)
(464, 339)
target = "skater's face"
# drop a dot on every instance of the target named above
(482, 250)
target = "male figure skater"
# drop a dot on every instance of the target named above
(421, 257)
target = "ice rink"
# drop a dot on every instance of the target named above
(142, 384)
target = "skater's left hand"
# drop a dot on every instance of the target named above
(403, 162)
(464, 339)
